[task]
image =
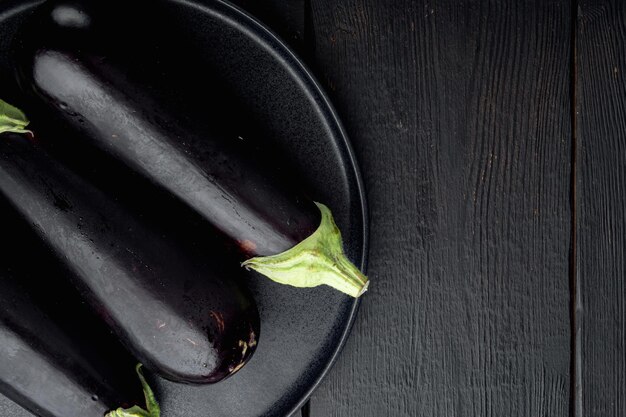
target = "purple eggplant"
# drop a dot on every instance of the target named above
(46, 371)
(186, 317)
(56, 360)
(76, 64)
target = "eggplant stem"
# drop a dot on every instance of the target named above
(12, 119)
(317, 260)
(152, 406)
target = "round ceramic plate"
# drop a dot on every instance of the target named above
(302, 329)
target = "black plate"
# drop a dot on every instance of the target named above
(302, 330)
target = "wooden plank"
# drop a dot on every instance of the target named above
(601, 61)
(459, 112)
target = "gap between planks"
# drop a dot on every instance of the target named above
(575, 305)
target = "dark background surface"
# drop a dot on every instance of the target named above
(492, 140)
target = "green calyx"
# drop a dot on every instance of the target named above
(152, 406)
(317, 260)
(12, 119)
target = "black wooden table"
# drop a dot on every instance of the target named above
(492, 140)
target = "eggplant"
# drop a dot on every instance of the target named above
(77, 65)
(45, 371)
(187, 318)
(55, 360)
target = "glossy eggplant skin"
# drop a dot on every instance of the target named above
(43, 370)
(184, 317)
(55, 359)
(82, 72)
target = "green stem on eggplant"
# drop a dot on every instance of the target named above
(317, 260)
(152, 406)
(12, 119)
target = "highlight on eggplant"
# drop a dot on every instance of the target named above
(90, 85)
(186, 317)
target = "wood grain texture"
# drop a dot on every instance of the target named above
(601, 57)
(459, 112)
